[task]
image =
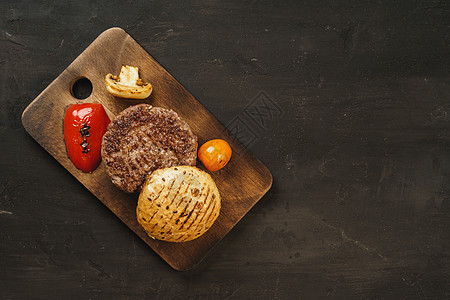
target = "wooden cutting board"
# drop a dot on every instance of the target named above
(241, 183)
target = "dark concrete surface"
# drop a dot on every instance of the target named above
(360, 206)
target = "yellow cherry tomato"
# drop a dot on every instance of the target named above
(215, 154)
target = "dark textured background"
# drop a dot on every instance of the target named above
(360, 206)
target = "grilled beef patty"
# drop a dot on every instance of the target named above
(143, 138)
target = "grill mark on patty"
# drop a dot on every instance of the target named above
(146, 162)
(165, 147)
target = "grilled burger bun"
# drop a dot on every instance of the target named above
(178, 204)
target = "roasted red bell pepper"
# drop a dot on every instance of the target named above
(84, 126)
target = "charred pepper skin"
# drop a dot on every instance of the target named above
(84, 126)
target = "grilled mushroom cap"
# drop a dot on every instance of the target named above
(128, 84)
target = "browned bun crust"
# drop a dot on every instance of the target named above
(178, 204)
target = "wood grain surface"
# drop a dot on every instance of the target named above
(241, 184)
